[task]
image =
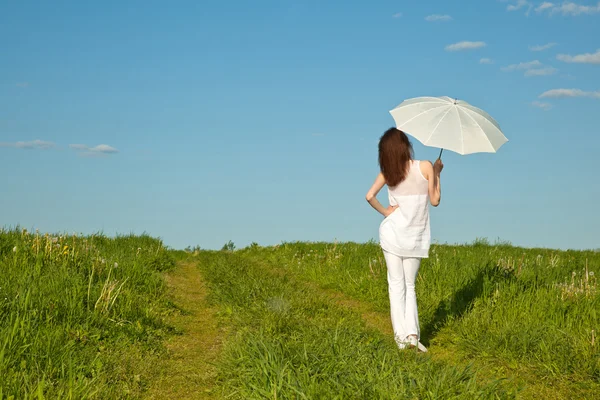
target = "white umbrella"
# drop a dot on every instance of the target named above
(449, 124)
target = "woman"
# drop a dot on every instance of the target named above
(404, 234)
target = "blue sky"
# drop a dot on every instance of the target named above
(258, 121)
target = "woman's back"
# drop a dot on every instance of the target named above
(415, 184)
(406, 232)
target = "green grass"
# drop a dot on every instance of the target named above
(527, 315)
(80, 317)
(83, 318)
(288, 341)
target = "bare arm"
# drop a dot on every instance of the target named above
(372, 197)
(432, 173)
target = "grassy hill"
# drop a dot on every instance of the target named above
(100, 318)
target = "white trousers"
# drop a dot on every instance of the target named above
(402, 274)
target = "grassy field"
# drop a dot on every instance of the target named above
(99, 318)
(80, 317)
(289, 341)
(311, 321)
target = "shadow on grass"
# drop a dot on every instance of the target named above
(460, 303)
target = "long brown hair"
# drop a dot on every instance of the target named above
(395, 154)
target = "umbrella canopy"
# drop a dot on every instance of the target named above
(449, 124)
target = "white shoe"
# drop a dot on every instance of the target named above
(414, 342)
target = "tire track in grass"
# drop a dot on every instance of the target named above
(188, 372)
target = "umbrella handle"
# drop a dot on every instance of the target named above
(440, 156)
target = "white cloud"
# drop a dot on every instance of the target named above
(438, 17)
(546, 71)
(465, 46)
(558, 93)
(519, 5)
(86, 151)
(542, 47)
(587, 58)
(34, 144)
(544, 6)
(542, 105)
(104, 148)
(568, 8)
(397, 15)
(522, 66)
(531, 68)
(486, 61)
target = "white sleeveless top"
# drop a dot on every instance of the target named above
(406, 232)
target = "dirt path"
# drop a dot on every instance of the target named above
(188, 371)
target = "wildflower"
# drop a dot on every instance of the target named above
(116, 265)
(591, 273)
(103, 261)
(15, 249)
